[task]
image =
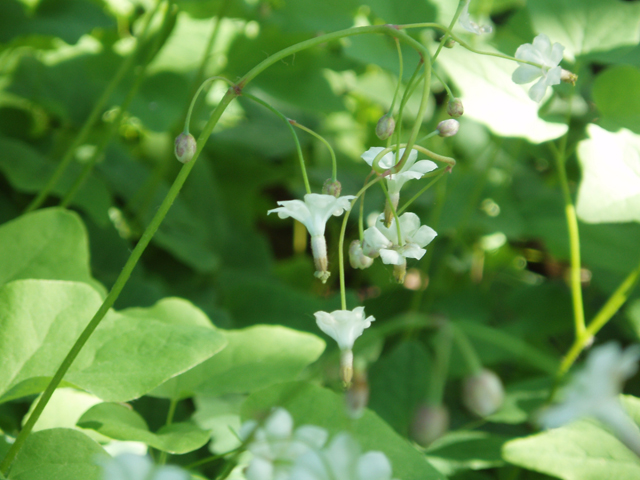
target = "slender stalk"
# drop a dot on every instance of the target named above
(443, 341)
(393, 212)
(400, 73)
(125, 66)
(468, 352)
(334, 163)
(446, 36)
(440, 174)
(172, 410)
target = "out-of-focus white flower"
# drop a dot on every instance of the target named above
(344, 326)
(313, 213)
(276, 445)
(469, 25)
(543, 53)
(342, 460)
(129, 466)
(593, 392)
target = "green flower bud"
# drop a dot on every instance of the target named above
(448, 128)
(483, 393)
(332, 188)
(430, 422)
(185, 147)
(385, 127)
(455, 108)
(450, 43)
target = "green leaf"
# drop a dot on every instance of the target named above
(48, 244)
(580, 451)
(464, 450)
(399, 383)
(584, 26)
(408, 11)
(221, 416)
(618, 98)
(304, 16)
(610, 190)
(254, 358)
(491, 98)
(29, 171)
(59, 453)
(126, 357)
(313, 405)
(121, 422)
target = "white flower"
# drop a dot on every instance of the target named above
(593, 392)
(357, 258)
(342, 460)
(313, 213)
(469, 25)
(410, 170)
(344, 326)
(276, 446)
(383, 241)
(129, 466)
(546, 55)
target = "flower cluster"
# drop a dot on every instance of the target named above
(281, 452)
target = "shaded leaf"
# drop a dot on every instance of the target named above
(618, 98)
(464, 450)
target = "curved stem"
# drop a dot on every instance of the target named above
(125, 66)
(187, 119)
(403, 102)
(444, 84)
(440, 174)
(334, 163)
(172, 410)
(445, 37)
(442, 348)
(303, 169)
(400, 73)
(468, 352)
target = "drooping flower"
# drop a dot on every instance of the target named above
(543, 53)
(129, 466)
(342, 459)
(313, 213)
(469, 25)
(383, 241)
(276, 446)
(594, 391)
(357, 258)
(344, 326)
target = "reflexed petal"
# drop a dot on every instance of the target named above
(313, 436)
(344, 326)
(409, 224)
(525, 74)
(279, 425)
(292, 208)
(374, 240)
(374, 466)
(422, 167)
(411, 250)
(543, 45)
(391, 257)
(424, 236)
(529, 53)
(537, 91)
(371, 154)
(554, 76)
(555, 56)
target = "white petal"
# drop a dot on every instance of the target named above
(553, 76)
(537, 91)
(409, 224)
(422, 167)
(373, 241)
(374, 466)
(525, 74)
(543, 45)
(171, 472)
(315, 437)
(411, 250)
(555, 56)
(424, 236)
(279, 425)
(259, 469)
(310, 466)
(391, 257)
(127, 466)
(344, 326)
(247, 429)
(371, 154)
(341, 455)
(529, 53)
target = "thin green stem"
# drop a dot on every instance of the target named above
(303, 169)
(89, 123)
(427, 137)
(187, 119)
(445, 37)
(403, 102)
(444, 84)
(442, 350)
(172, 410)
(393, 212)
(334, 163)
(400, 73)
(468, 352)
(439, 174)
(117, 287)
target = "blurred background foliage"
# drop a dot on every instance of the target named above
(499, 266)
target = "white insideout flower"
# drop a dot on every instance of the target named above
(129, 466)
(357, 258)
(342, 459)
(344, 326)
(469, 25)
(594, 391)
(410, 170)
(543, 53)
(276, 446)
(313, 213)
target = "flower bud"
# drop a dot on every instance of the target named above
(385, 127)
(185, 147)
(455, 108)
(568, 77)
(332, 188)
(357, 397)
(429, 423)
(448, 128)
(483, 393)
(357, 258)
(449, 43)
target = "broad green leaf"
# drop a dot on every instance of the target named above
(63, 409)
(60, 454)
(491, 98)
(463, 450)
(584, 26)
(313, 405)
(610, 187)
(303, 16)
(409, 11)
(581, 450)
(617, 97)
(398, 384)
(48, 244)
(121, 422)
(126, 357)
(254, 358)
(522, 400)
(29, 171)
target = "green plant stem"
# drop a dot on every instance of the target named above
(397, 134)
(303, 169)
(187, 120)
(118, 285)
(468, 352)
(67, 158)
(172, 410)
(439, 174)
(400, 73)
(442, 349)
(393, 212)
(446, 36)
(444, 84)
(334, 163)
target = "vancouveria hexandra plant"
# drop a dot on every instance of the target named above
(469, 25)
(548, 56)
(313, 213)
